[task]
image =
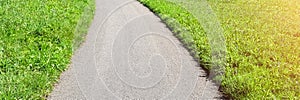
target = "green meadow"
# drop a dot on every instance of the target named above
(262, 41)
(37, 38)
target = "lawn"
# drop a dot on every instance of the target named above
(36, 43)
(262, 41)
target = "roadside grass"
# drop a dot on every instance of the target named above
(262, 40)
(36, 43)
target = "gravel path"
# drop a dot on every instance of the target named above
(130, 54)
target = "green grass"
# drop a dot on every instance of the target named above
(36, 43)
(262, 40)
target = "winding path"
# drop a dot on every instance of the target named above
(130, 54)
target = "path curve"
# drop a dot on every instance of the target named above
(130, 54)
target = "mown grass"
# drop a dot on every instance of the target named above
(262, 40)
(36, 43)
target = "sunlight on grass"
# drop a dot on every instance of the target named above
(262, 37)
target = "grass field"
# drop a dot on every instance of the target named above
(262, 40)
(36, 43)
